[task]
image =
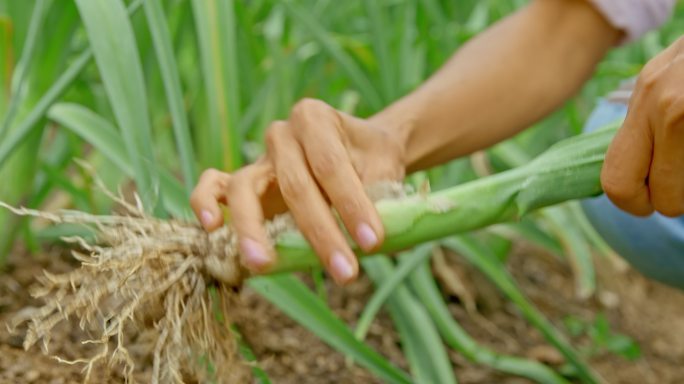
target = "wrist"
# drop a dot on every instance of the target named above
(400, 122)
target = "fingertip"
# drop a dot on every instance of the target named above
(672, 212)
(379, 229)
(630, 196)
(667, 205)
(206, 217)
(637, 204)
(366, 237)
(640, 211)
(255, 256)
(210, 219)
(343, 268)
(363, 223)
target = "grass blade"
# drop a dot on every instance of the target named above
(246, 352)
(174, 94)
(297, 301)
(95, 130)
(527, 229)
(357, 76)
(216, 32)
(19, 134)
(19, 171)
(19, 74)
(411, 52)
(383, 292)
(421, 343)
(435, 11)
(381, 42)
(23, 166)
(482, 259)
(102, 135)
(577, 249)
(7, 61)
(428, 293)
(114, 46)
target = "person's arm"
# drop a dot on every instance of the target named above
(499, 83)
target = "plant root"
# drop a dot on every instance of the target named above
(142, 271)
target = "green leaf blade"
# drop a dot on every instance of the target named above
(172, 85)
(421, 342)
(216, 34)
(303, 306)
(102, 135)
(114, 46)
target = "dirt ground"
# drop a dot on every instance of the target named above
(650, 313)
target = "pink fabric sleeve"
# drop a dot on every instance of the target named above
(635, 17)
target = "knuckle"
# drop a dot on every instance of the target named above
(351, 207)
(325, 164)
(293, 184)
(617, 190)
(649, 78)
(274, 133)
(317, 236)
(210, 180)
(309, 110)
(307, 106)
(239, 180)
(671, 107)
(214, 176)
(210, 174)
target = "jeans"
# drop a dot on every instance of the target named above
(654, 245)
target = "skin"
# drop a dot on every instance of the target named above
(642, 172)
(522, 68)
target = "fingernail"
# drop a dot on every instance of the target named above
(206, 217)
(341, 268)
(254, 254)
(367, 237)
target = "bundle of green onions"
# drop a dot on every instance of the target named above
(568, 170)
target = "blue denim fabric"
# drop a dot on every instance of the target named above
(653, 245)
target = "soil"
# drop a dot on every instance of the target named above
(651, 313)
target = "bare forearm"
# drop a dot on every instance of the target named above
(502, 81)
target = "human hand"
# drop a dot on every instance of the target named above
(320, 156)
(644, 166)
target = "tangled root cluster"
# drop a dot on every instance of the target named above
(142, 272)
